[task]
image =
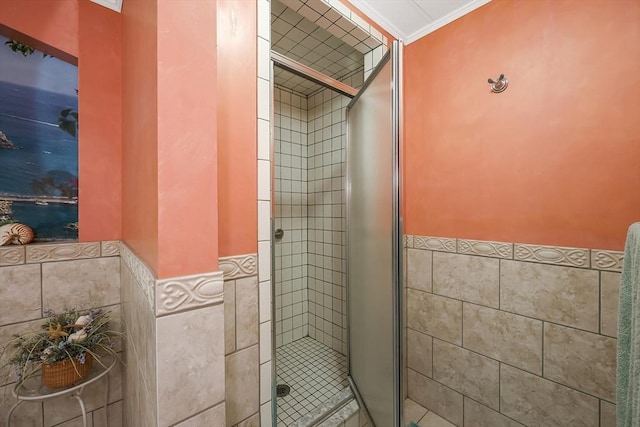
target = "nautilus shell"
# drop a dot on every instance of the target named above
(16, 234)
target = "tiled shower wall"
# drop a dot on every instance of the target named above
(309, 154)
(502, 334)
(58, 276)
(290, 152)
(327, 294)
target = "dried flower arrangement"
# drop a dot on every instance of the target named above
(71, 338)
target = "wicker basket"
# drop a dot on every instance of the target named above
(66, 372)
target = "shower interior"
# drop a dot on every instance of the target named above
(309, 139)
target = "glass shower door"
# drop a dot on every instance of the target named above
(373, 242)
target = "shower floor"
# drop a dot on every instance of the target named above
(314, 372)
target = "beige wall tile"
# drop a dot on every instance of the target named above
(253, 421)
(247, 323)
(242, 385)
(81, 283)
(211, 417)
(435, 397)
(28, 414)
(581, 360)
(607, 414)
(419, 269)
(504, 336)
(419, 352)
(563, 295)
(413, 412)
(115, 416)
(434, 315)
(77, 422)
(477, 415)
(433, 420)
(229, 316)
(535, 401)
(6, 335)
(185, 389)
(466, 277)
(609, 291)
(20, 293)
(469, 373)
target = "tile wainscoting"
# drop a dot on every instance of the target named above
(57, 276)
(502, 334)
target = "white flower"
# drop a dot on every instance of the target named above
(77, 337)
(83, 320)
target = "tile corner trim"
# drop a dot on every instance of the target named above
(143, 274)
(237, 266)
(187, 292)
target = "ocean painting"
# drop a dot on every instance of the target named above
(38, 142)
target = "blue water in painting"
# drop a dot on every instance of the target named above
(28, 117)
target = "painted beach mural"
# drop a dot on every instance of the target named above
(38, 142)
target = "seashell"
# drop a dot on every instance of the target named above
(82, 321)
(77, 337)
(17, 234)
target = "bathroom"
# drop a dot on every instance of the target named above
(505, 196)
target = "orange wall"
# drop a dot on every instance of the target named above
(237, 167)
(187, 99)
(70, 30)
(555, 159)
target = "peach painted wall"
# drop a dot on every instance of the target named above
(237, 167)
(187, 158)
(555, 159)
(140, 129)
(89, 35)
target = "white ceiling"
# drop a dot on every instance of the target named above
(408, 20)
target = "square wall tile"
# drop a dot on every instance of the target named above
(82, 284)
(20, 293)
(247, 312)
(467, 372)
(419, 352)
(419, 269)
(211, 417)
(477, 415)
(609, 293)
(535, 401)
(435, 315)
(203, 329)
(513, 339)
(565, 295)
(581, 360)
(436, 397)
(242, 385)
(469, 278)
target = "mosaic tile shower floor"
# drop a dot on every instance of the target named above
(314, 372)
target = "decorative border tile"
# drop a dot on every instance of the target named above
(12, 255)
(485, 248)
(434, 243)
(408, 241)
(606, 260)
(62, 251)
(110, 248)
(572, 257)
(186, 292)
(141, 273)
(235, 267)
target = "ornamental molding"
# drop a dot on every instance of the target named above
(143, 274)
(62, 251)
(187, 292)
(571, 257)
(485, 248)
(238, 266)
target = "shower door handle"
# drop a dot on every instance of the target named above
(279, 234)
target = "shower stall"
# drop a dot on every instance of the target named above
(333, 152)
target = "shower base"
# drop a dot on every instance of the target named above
(315, 374)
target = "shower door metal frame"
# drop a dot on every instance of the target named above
(393, 55)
